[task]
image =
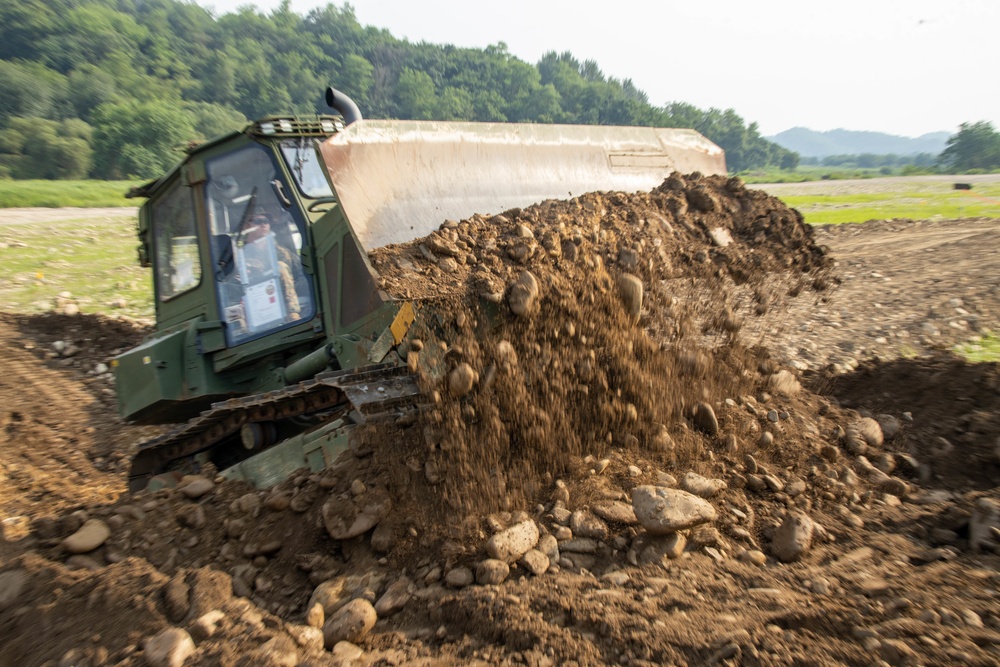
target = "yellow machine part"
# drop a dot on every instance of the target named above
(399, 180)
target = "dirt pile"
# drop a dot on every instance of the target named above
(608, 476)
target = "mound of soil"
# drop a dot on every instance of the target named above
(606, 474)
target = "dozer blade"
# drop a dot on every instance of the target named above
(399, 180)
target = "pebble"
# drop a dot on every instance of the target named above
(177, 598)
(395, 597)
(316, 617)
(170, 648)
(615, 511)
(91, 535)
(755, 557)
(705, 419)
(535, 561)
(793, 538)
(702, 487)
(461, 380)
(630, 290)
(766, 439)
(351, 623)
(346, 654)
(459, 577)
(662, 511)
(196, 487)
(585, 524)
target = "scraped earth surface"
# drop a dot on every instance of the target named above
(849, 460)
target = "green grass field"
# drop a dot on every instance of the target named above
(93, 259)
(981, 349)
(57, 194)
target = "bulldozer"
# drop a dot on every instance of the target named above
(273, 341)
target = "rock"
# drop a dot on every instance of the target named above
(510, 544)
(210, 590)
(248, 503)
(702, 486)
(459, 577)
(350, 623)
(11, 585)
(196, 486)
(170, 648)
(579, 545)
(278, 651)
(346, 519)
(630, 290)
(316, 617)
(653, 548)
(535, 561)
(345, 654)
(190, 515)
(549, 546)
(985, 519)
(461, 380)
(720, 236)
(207, 624)
(865, 430)
(784, 382)
(662, 511)
(491, 572)
(615, 511)
(306, 636)
(705, 420)
(278, 501)
(755, 557)
(177, 598)
(585, 524)
(92, 534)
(383, 537)
(522, 294)
(395, 597)
(793, 537)
(890, 425)
(334, 593)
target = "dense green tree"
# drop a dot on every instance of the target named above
(976, 146)
(41, 148)
(138, 139)
(111, 63)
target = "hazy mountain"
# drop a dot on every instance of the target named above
(810, 143)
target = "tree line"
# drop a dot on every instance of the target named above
(110, 88)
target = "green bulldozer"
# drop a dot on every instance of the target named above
(273, 341)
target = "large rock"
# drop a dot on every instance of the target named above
(793, 537)
(705, 419)
(662, 511)
(348, 518)
(196, 486)
(510, 544)
(177, 598)
(523, 293)
(492, 572)
(350, 623)
(337, 592)
(170, 648)
(91, 535)
(630, 289)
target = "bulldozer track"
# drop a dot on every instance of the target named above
(369, 393)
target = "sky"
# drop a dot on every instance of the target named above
(901, 67)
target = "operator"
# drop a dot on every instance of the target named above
(261, 226)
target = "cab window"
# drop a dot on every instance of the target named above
(175, 239)
(257, 246)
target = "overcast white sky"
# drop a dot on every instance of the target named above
(902, 67)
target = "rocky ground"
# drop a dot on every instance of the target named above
(658, 456)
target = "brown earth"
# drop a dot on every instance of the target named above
(577, 402)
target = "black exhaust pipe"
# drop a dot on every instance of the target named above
(343, 104)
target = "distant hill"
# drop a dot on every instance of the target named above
(810, 143)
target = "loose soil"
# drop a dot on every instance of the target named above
(579, 394)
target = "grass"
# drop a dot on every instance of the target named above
(57, 194)
(921, 201)
(94, 259)
(980, 349)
